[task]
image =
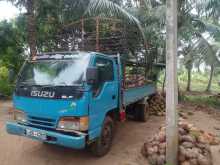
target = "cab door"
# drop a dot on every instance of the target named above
(104, 96)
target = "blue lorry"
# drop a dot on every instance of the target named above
(74, 99)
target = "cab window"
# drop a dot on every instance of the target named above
(105, 69)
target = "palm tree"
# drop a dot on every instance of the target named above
(207, 52)
(212, 8)
(212, 61)
(31, 23)
(31, 27)
(210, 14)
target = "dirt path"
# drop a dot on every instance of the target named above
(129, 138)
(207, 123)
(125, 150)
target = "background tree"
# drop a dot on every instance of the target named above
(195, 18)
(11, 53)
(30, 6)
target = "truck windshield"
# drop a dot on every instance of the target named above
(55, 72)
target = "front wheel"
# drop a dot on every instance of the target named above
(103, 144)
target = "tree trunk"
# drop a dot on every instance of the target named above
(198, 69)
(171, 83)
(208, 89)
(31, 27)
(164, 80)
(189, 72)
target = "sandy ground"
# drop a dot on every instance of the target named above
(126, 147)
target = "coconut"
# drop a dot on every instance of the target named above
(194, 146)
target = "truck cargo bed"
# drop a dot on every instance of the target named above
(135, 94)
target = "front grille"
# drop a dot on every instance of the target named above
(41, 122)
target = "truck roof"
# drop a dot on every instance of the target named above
(65, 55)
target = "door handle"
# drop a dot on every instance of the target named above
(113, 97)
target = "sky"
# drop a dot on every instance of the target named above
(7, 10)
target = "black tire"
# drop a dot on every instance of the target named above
(142, 112)
(103, 144)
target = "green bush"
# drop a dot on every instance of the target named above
(3, 73)
(5, 87)
(203, 100)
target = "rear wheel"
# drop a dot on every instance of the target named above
(142, 112)
(103, 144)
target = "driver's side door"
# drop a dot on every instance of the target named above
(104, 95)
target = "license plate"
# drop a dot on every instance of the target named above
(36, 134)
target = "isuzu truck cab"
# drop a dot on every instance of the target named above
(74, 99)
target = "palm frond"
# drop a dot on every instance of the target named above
(111, 9)
(207, 50)
(147, 3)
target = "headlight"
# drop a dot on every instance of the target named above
(73, 123)
(19, 116)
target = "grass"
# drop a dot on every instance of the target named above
(206, 100)
(199, 81)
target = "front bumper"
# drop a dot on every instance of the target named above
(76, 142)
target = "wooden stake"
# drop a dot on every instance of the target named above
(83, 32)
(97, 34)
(171, 83)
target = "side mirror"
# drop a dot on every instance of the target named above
(92, 75)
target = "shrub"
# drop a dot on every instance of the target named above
(3, 73)
(5, 87)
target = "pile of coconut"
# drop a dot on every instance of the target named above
(194, 146)
(157, 104)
